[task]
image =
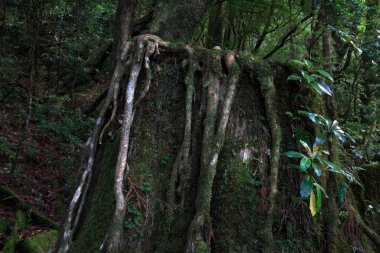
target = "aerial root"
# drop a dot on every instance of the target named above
(64, 240)
(269, 92)
(200, 230)
(182, 160)
(146, 46)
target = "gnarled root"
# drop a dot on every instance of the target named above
(213, 139)
(64, 240)
(181, 163)
(146, 45)
(372, 235)
(269, 92)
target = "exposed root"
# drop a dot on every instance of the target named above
(269, 92)
(372, 235)
(148, 81)
(182, 161)
(213, 140)
(145, 47)
(116, 80)
(64, 240)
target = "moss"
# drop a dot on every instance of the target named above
(367, 244)
(4, 225)
(9, 246)
(37, 243)
(235, 203)
(99, 214)
(201, 248)
(255, 64)
(21, 221)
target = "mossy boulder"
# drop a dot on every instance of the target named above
(38, 243)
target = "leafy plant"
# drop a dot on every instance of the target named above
(7, 150)
(317, 79)
(313, 164)
(328, 127)
(134, 224)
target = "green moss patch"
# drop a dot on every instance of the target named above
(37, 243)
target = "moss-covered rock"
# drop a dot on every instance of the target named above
(21, 221)
(38, 243)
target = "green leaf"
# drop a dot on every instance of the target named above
(340, 134)
(318, 186)
(307, 148)
(297, 62)
(309, 78)
(308, 63)
(305, 163)
(313, 204)
(305, 187)
(324, 88)
(325, 74)
(293, 78)
(336, 169)
(317, 168)
(316, 87)
(320, 139)
(294, 154)
(292, 166)
(319, 199)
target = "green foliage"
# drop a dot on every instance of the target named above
(52, 117)
(316, 79)
(341, 192)
(313, 164)
(328, 127)
(134, 224)
(7, 150)
(4, 225)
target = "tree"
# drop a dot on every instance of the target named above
(234, 102)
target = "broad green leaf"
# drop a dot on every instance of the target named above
(340, 134)
(293, 78)
(320, 139)
(296, 62)
(309, 78)
(317, 168)
(319, 187)
(334, 124)
(318, 76)
(316, 87)
(324, 88)
(305, 163)
(307, 148)
(313, 204)
(319, 199)
(336, 169)
(305, 187)
(325, 74)
(308, 64)
(294, 154)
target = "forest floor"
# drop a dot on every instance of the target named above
(47, 163)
